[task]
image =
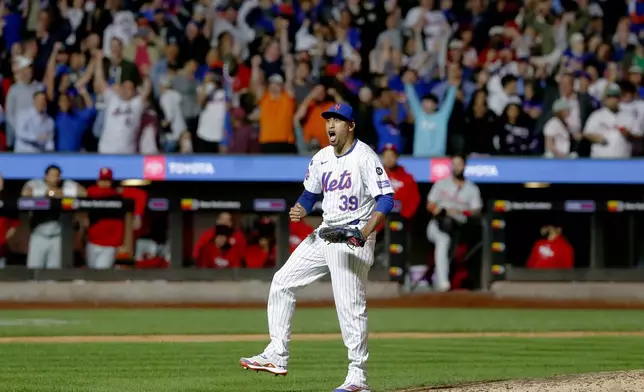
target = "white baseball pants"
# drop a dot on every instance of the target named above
(310, 261)
(442, 242)
(100, 257)
(44, 252)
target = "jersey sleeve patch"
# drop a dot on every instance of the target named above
(379, 171)
(384, 184)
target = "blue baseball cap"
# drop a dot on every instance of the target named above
(341, 111)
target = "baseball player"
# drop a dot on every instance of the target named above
(44, 242)
(357, 195)
(451, 202)
(105, 233)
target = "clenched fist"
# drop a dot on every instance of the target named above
(297, 213)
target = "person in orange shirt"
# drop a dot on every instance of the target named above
(309, 113)
(276, 108)
(221, 246)
(553, 251)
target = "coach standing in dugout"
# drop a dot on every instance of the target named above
(404, 185)
(45, 240)
(451, 202)
(105, 232)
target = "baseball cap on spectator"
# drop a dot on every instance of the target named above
(576, 38)
(595, 11)
(496, 30)
(341, 111)
(105, 174)
(456, 44)
(613, 91)
(560, 105)
(635, 69)
(390, 147)
(275, 79)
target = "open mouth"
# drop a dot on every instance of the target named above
(332, 136)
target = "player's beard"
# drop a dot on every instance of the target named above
(460, 175)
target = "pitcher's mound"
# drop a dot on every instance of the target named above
(632, 381)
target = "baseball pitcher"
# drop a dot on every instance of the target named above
(44, 242)
(357, 195)
(451, 201)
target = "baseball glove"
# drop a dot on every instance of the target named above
(342, 235)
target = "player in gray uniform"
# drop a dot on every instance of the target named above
(44, 242)
(451, 201)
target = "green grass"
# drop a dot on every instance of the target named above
(209, 321)
(316, 366)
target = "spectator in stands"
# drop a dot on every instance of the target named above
(309, 114)
(515, 135)
(610, 130)
(144, 50)
(115, 67)
(173, 124)
(169, 63)
(124, 108)
(244, 138)
(186, 84)
(21, 94)
(560, 141)
(430, 134)
(276, 108)
(212, 128)
(500, 92)
(35, 128)
(553, 251)
(480, 126)
(221, 246)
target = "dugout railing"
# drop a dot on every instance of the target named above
(612, 250)
(177, 212)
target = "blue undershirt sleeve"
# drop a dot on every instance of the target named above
(308, 200)
(384, 203)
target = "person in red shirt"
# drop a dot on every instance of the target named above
(221, 246)
(298, 233)
(105, 232)
(262, 253)
(404, 185)
(553, 251)
(8, 226)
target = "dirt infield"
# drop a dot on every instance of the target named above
(459, 299)
(302, 337)
(632, 381)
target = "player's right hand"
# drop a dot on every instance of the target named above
(297, 212)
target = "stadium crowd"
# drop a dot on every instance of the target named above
(431, 77)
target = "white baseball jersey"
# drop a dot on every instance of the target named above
(606, 123)
(122, 124)
(350, 183)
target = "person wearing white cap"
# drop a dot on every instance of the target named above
(558, 136)
(21, 95)
(610, 130)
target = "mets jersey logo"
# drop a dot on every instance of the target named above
(342, 183)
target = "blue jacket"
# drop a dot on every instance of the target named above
(70, 128)
(430, 130)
